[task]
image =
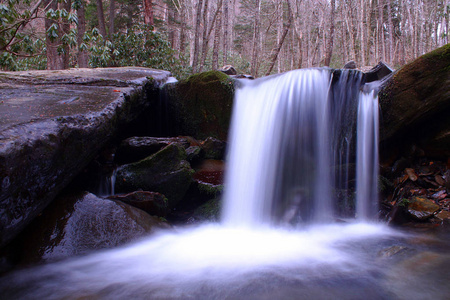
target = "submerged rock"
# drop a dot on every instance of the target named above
(166, 172)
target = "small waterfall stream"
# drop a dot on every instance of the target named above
(294, 139)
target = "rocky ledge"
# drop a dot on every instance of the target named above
(52, 124)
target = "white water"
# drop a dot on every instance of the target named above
(367, 157)
(284, 135)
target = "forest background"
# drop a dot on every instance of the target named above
(257, 37)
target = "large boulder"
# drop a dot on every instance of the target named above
(200, 106)
(415, 105)
(166, 172)
(80, 223)
(52, 124)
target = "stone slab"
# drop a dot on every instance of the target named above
(53, 123)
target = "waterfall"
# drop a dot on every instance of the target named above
(292, 148)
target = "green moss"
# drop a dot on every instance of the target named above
(210, 189)
(202, 104)
(209, 211)
(404, 202)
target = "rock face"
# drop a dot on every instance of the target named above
(83, 223)
(53, 124)
(200, 106)
(166, 172)
(415, 104)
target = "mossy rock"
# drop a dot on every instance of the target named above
(209, 211)
(200, 106)
(166, 172)
(415, 103)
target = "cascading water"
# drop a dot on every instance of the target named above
(292, 148)
(289, 136)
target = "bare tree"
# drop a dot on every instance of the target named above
(329, 50)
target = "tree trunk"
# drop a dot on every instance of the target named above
(82, 56)
(148, 12)
(112, 16)
(54, 61)
(391, 32)
(197, 36)
(205, 37)
(255, 40)
(215, 57)
(329, 50)
(101, 18)
(225, 31)
(65, 29)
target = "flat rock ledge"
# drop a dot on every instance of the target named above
(53, 123)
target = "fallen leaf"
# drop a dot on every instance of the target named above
(411, 174)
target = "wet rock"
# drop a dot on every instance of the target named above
(153, 203)
(391, 251)
(443, 215)
(200, 106)
(194, 154)
(213, 148)
(208, 212)
(421, 208)
(229, 70)
(79, 224)
(137, 148)
(166, 172)
(422, 276)
(242, 76)
(350, 65)
(53, 124)
(378, 72)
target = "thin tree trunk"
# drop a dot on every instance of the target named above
(181, 45)
(255, 40)
(391, 54)
(197, 36)
(54, 61)
(280, 43)
(82, 56)
(65, 29)
(329, 50)
(101, 18)
(112, 16)
(225, 31)
(215, 57)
